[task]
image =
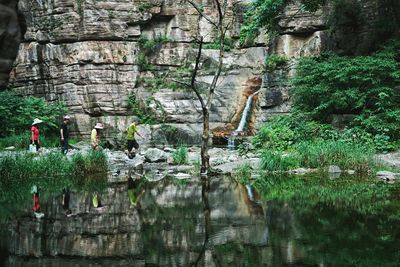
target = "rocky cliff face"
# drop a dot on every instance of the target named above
(90, 54)
(352, 27)
(10, 37)
(94, 54)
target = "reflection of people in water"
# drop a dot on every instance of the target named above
(96, 200)
(251, 200)
(36, 202)
(134, 189)
(65, 201)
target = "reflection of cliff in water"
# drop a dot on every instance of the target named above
(171, 229)
(168, 230)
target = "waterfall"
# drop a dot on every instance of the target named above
(243, 120)
(246, 111)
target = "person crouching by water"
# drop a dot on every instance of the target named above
(95, 135)
(131, 141)
(35, 133)
(64, 134)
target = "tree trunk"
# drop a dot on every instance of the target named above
(205, 158)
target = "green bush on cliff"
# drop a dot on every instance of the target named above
(266, 14)
(366, 87)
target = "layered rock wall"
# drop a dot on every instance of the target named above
(93, 55)
(352, 27)
(90, 55)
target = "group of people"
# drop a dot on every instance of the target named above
(132, 144)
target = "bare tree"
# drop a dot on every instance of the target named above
(220, 28)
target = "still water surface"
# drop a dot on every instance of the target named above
(216, 224)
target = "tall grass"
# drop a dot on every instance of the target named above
(21, 141)
(52, 172)
(319, 154)
(89, 170)
(277, 161)
(180, 155)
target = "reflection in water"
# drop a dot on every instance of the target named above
(212, 223)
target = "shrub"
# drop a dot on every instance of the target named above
(17, 114)
(142, 111)
(228, 45)
(180, 155)
(275, 61)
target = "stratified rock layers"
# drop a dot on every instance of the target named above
(87, 53)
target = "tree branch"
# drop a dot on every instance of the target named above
(202, 13)
(194, 74)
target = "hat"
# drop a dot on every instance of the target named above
(67, 117)
(34, 189)
(99, 126)
(36, 121)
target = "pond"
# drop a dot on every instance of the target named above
(220, 223)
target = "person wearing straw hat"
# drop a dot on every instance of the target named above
(95, 135)
(64, 133)
(35, 133)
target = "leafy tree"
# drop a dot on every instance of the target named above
(367, 86)
(17, 113)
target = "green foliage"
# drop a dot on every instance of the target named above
(243, 173)
(21, 141)
(276, 161)
(147, 47)
(283, 132)
(275, 61)
(142, 111)
(366, 86)
(180, 155)
(143, 63)
(259, 14)
(89, 171)
(317, 154)
(17, 114)
(143, 7)
(51, 172)
(228, 44)
(363, 195)
(159, 83)
(151, 45)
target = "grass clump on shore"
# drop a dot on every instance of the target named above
(319, 154)
(52, 172)
(180, 155)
